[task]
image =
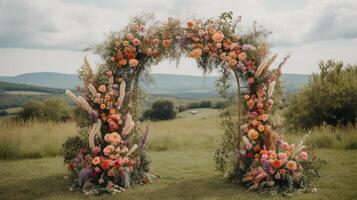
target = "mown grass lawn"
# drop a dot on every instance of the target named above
(184, 175)
(181, 152)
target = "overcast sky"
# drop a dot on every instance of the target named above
(49, 35)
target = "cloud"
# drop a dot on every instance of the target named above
(74, 25)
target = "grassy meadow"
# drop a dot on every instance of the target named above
(181, 151)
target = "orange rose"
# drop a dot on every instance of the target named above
(190, 23)
(102, 106)
(196, 53)
(218, 37)
(263, 152)
(123, 61)
(253, 134)
(291, 165)
(277, 164)
(133, 62)
(166, 43)
(282, 171)
(242, 56)
(107, 97)
(233, 62)
(126, 43)
(272, 155)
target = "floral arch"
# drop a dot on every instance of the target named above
(112, 155)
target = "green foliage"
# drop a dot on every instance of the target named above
(330, 97)
(52, 109)
(3, 113)
(206, 104)
(219, 104)
(72, 146)
(160, 110)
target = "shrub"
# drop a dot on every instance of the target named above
(3, 113)
(181, 108)
(193, 105)
(205, 104)
(330, 97)
(52, 109)
(219, 104)
(161, 110)
(72, 146)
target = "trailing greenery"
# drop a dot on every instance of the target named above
(330, 97)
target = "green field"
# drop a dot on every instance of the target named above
(181, 152)
(25, 93)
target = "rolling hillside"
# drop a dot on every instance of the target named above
(162, 84)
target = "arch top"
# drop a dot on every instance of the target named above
(216, 43)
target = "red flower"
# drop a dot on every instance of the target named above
(250, 155)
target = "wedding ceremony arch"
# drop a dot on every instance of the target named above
(110, 155)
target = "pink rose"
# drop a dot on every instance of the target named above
(251, 81)
(96, 150)
(304, 156)
(285, 146)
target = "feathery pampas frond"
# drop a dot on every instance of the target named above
(131, 150)
(72, 96)
(93, 132)
(88, 69)
(87, 74)
(80, 101)
(271, 89)
(92, 90)
(84, 104)
(265, 66)
(111, 82)
(247, 142)
(129, 124)
(121, 93)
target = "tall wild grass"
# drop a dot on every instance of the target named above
(32, 139)
(327, 137)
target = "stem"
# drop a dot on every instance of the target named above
(239, 135)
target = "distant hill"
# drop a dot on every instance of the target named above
(44, 79)
(162, 84)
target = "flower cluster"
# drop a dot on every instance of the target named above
(111, 158)
(280, 167)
